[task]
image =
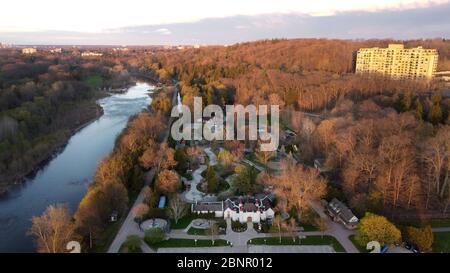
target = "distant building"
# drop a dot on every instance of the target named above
(398, 62)
(243, 209)
(3, 45)
(91, 54)
(443, 76)
(340, 213)
(120, 49)
(29, 51)
(56, 50)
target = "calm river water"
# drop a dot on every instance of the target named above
(66, 177)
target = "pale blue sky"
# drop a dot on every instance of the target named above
(98, 15)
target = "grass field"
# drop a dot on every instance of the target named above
(441, 242)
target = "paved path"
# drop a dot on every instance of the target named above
(194, 195)
(441, 229)
(290, 249)
(212, 156)
(259, 168)
(129, 226)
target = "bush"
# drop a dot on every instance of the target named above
(421, 237)
(154, 236)
(377, 228)
(131, 245)
(238, 227)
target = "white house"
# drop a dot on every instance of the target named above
(243, 209)
(249, 209)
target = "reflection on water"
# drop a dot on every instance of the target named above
(66, 178)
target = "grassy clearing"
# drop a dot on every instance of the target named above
(360, 247)
(94, 81)
(441, 243)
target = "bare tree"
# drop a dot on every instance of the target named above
(322, 225)
(53, 229)
(213, 231)
(140, 211)
(298, 185)
(177, 208)
(277, 222)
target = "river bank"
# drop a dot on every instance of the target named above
(67, 175)
(85, 112)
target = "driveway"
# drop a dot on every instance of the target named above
(336, 230)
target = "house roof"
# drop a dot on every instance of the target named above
(340, 209)
(261, 201)
(208, 206)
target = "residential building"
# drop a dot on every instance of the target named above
(29, 50)
(443, 76)
(56, 50)
(341, 213)
(398, 62)
(242, 209)
(91, 54)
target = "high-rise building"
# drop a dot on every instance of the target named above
(398, 62)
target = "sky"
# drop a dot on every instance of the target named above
(81, 21)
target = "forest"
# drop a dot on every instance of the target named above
(44, 98)
(385, 141)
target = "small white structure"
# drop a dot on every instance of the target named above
(243, 209)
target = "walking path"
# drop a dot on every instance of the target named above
(212, 156)
(441, 229)
(194, 195)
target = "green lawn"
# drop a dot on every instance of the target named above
(109, 234)
(189, 243)
(131, 245)
(102, 244)
(183, 222)
(94, 81)
(434, 223)
(361, 248)
(307, 227)
(441, 242)
(309, 240)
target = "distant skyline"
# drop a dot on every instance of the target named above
(218, 22)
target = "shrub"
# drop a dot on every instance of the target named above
(131, 245)
(421, 237)
(154, 236)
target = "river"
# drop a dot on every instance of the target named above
(66, 177)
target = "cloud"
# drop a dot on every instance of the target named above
(163, 31)
(429, 22)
